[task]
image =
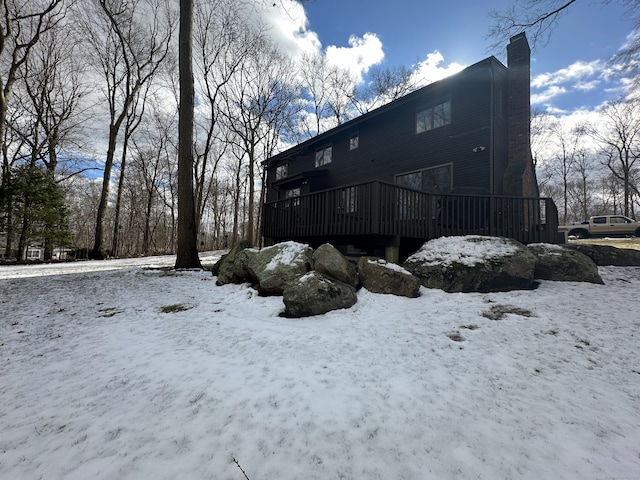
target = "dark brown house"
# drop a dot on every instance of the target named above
(452, 158)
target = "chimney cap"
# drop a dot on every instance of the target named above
(517, 37)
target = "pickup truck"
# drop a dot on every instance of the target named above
(602, 225)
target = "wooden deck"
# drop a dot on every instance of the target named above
(387, 213)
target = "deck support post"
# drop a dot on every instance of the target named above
(392, 254)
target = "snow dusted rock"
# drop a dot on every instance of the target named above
(232, 267)
(315, 294)
(605, 255)
(378, 276)
(563, 264)
(330, 262)
(473, 263)
(273, 267)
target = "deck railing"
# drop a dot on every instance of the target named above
(378, 208)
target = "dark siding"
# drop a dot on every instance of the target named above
(388, 144)
(500, 139)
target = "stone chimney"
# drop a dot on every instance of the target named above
(519, 178)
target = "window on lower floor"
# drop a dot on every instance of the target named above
(293, 194)
(433, 180)
(436, 180)
(323, 156)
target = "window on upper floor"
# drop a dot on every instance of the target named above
(282, 171)
(354, 141)
(323, 156)
(434, 116)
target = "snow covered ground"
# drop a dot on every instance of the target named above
(113, 370)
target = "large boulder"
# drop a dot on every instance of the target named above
(473, 263)
(274, 267)
(328, 261)
(605, 255)
(378, 276)
(232, 267)
(563, 264)
(315, 294)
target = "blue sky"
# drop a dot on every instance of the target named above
(568, 73)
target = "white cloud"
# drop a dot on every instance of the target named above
(556, 121)
(361, 54)
(587, 86)
(575, 72)
(547, 95)
(578, 77)
(287, 25)
(431, 69)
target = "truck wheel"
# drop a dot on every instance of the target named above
(638, 232)
(580, 233)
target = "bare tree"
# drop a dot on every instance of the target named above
(539, 18)
(21, 28)
(49, 100)
(256, 100)
(23, 25)
(619, 137)
(341, 88)
(127, 43)
(236, 168)
(580, 191)
(385, 85)
(566, 145)
(327, 96)
(541, 131)
(314, 71)
(56, 86)
(223, 44)
(131, 124)
(83, 196)
(147, 162)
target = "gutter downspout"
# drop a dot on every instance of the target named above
(492, 130)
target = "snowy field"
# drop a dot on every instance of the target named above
(114, 370)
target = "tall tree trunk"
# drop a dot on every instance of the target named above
(6, 173)
(51, 169)
(116, 227)
(263, 192)
(23, 242)
(8, 249)
(146, 239)
(236, 204)
(252, 192)
(98, 252)
(187, 251)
